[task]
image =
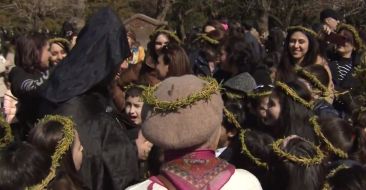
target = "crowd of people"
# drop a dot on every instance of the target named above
(225, 109)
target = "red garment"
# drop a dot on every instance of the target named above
(196, 170)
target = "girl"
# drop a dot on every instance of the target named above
(56, 136)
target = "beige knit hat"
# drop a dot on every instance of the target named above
(183, 126)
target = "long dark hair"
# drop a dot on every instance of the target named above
(294, 117)
(346, 137)
(288, 175)
(285, 70)
(22, 165)
(339, 132)
(240, 54)
(151, 44)
(177, 59)
(46, 138)
(28, 51)
(352, 178)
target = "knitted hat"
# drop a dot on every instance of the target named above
(186, 126)
(329, 13)
(243, 82)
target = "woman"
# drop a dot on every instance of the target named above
(301, 49)
(318, 82)
(30, 74)
(160, 38)
(173, 61)
(206, 58)
(299, 165)
(348, 56)
(289, 111)
(59, 48)
(344, 141)
(236, 57)
(46, 136)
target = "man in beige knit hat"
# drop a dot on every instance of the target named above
(183, 116)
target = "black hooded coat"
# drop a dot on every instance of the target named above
(78, 88)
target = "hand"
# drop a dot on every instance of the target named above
(326, 29)
(143, 146)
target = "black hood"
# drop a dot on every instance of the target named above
(101, 46)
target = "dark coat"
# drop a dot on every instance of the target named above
(78, 88)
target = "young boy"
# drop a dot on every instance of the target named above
(134, 104)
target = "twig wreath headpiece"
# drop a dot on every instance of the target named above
(8, 137)
(331, 174)
(245, 151)
(168, 32)
(149, 98)
(204, 37)
(330, 147)
(303, 29)
(313, 80)
(317, 159)
(62, 147)
(292, 93)
(258, 92)
(231, 118)
(59, 40)
(359, 43)
(126, 88)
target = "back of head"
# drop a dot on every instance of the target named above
(258, 145)
(22, 165)
(240, 54)
(29, 51)
(352, 178)
(47, 136)
(339, 132)
(181, 123)
(329, 13)
(294, 115)
(177, 59)
(320, 73)
(275, 40)
(290, 175)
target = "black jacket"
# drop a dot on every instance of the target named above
(78, 88)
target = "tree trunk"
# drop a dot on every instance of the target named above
(180, 25)
(262, 16)
(163, 7)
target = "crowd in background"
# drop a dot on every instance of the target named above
(228, 108)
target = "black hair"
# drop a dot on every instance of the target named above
(294, 117)
(240, 55)
(28, 51)
(320, 73)
(151, 44)
(134, 92)
(352, 178)
(22, 165)
(177, 59)
(46, 136)
(259, 145)
(339, 133)
(236, 107)
(288, 175)
(285, 70)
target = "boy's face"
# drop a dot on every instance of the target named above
(133, 109)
